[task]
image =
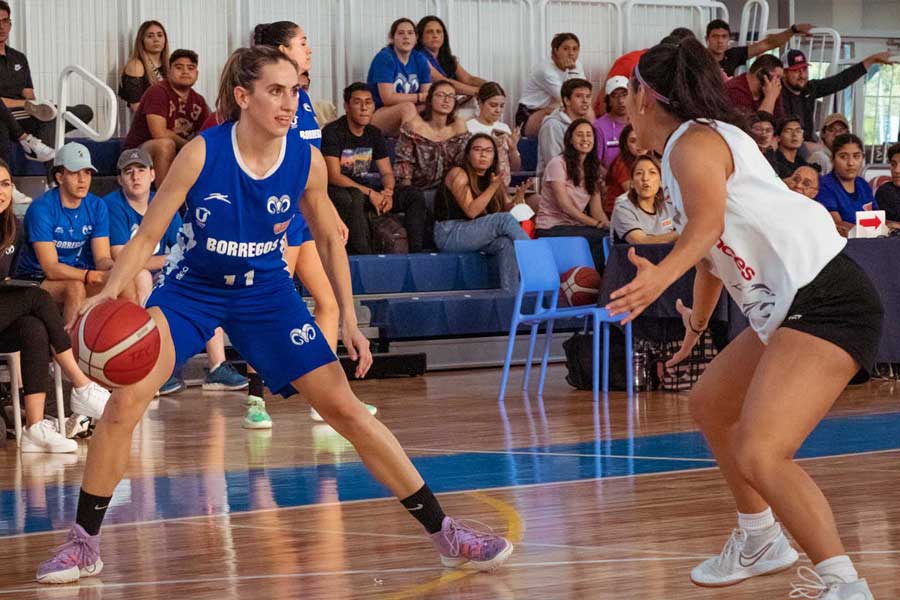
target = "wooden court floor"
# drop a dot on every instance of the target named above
(612, 500)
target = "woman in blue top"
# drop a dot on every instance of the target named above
(241, 183)
(843, 191)
(399, 78)
(434, 43)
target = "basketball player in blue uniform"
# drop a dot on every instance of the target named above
(241, 183)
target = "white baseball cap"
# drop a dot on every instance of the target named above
(615, 83)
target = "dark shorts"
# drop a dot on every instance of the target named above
(842, 306)
(522, 114)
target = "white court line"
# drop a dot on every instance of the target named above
(449, 451)
(457, 492)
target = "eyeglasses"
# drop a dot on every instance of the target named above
(6, 22)
(443, 95)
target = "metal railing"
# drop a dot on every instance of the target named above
(67, 117)
(645, 22)
(754, 22)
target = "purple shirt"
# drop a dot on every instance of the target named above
(608, 131)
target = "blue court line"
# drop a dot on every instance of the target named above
(168, 497)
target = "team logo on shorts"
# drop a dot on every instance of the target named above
(301, 336)
(277, 206)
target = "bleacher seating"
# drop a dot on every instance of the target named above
(103, 154)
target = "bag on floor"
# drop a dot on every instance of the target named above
(685, 374)
(388, 234)
(579, 349)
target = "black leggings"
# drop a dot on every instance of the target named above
(31, 324)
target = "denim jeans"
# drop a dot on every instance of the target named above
(492, 234)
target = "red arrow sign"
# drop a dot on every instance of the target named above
(873, 222)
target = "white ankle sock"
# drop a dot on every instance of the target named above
(215, 366)
(837, 567)
(756, 522)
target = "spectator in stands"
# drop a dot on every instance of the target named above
(760, 89)
(762, 129)
(642, 216)
(843, 192)
(399, 78)
(10, 129)
(618, 178)
(67, 230)
(170, 114)
(799, 92)
(350, 145)
(471, 209)
(36, 117)
(126, 207)
(571, 201)
(576, 104)
(31, 325)
(609, 126)
(888, 194)
(434, 44)
(541, 94)
(805, 180)
(718, 38)
(430, 145)
(147, 65)
(491, 102)
(790, 139)
(834, 125)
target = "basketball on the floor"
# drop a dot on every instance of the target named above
(579, 286)
(116, 343)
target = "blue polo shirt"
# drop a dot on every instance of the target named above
(124, 222)
(70, 229)
(406, 79)
(835, 198)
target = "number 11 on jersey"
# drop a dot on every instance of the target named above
(248, 279)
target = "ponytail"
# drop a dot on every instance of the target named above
(244, 67)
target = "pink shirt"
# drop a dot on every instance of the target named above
(549, 213)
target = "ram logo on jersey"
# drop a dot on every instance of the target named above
(277, 206)
(304, 335)
(241, 249)
(218, 196)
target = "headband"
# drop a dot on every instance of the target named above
(652, 92)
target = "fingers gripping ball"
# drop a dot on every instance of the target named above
(579, 286)
(116, 343)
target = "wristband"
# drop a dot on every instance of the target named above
(700, 332)
(86, 273)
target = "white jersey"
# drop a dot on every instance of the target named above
(775, 241)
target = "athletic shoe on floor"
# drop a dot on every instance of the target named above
(43, 437)
(35, 149)
(734, 566)
(79, 426)
(257, 417)
(459, 544)
(89, 400)
(315, 416)
(814, 586)
(78, 557)
(173, 384)
(224, 378)
(42, 110)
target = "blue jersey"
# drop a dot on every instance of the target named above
(70, 229)
(124, 222)
(234, 222)
(405, 78)
(305, 121)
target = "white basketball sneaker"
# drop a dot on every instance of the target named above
(89, 400)
(734, 565)
(828, 588)
(43, 437)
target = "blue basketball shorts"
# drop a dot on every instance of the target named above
(269, 325)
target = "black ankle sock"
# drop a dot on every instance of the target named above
(256, 385)
(91, 510)
(426, 509)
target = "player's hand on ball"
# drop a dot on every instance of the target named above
(94, 300)
(636, 296)
(358, 349)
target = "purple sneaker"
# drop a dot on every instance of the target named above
(459, 544)
(78, 557)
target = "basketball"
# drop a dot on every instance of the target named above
(579, 286)
(116, 343)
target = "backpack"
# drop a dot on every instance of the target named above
(579, 350)
(388, 234)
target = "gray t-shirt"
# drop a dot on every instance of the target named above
(626, 217)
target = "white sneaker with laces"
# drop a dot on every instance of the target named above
(89, 400)
(733, 566)
(43, 437)
(36, 150)
(818, 588)
(20, 197)
(42, 110)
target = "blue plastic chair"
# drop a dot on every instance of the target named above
(607, 240)
(539, 269)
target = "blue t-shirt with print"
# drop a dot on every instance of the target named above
(835, 198)
(124, 222)
(406, 79)
(70, 229)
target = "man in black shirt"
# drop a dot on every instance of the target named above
(888, 194)
(718, 36)
(790, 138)
(799, 92)
(349, 146)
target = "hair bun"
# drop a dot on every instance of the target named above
(259, 33)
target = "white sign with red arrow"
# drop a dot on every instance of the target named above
(870, 224)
